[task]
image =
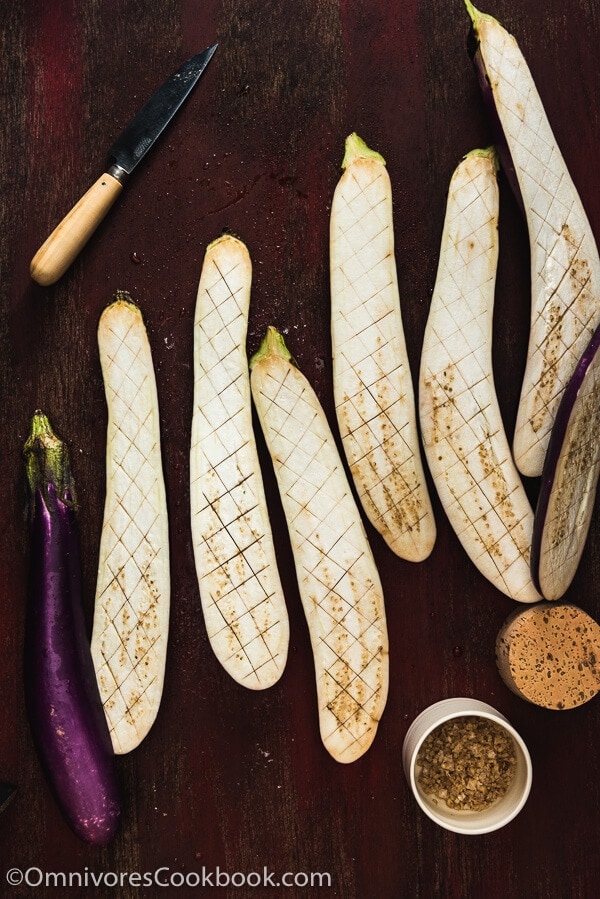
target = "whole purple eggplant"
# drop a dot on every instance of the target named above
(65, 712)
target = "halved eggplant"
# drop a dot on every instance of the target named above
(569, 479)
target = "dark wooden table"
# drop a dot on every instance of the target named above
(229, 778)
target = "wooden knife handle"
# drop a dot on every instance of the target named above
(60, 249)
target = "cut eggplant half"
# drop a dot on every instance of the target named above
(242, 598)
(565, 266)
(338, 580)
(133, 588)
(570, 479)
(372, 381)
(461, 423)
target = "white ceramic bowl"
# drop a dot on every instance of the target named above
(469, 822)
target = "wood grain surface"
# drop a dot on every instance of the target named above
(230, 778)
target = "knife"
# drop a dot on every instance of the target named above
(70, 236)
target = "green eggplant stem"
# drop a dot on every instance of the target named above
(47, 460)
(272, 344)
(356, 148)
(477, 16)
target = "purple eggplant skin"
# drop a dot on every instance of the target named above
(560, 429)
(64, 708)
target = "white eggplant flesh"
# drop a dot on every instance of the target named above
(338, 581)
(567, 496)
(373, 388)
(131, 612)
(463, 433)
(242, 598)
(565, 266)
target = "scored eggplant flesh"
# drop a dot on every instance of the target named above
(569, 480)
(497, 131)
(564, 260)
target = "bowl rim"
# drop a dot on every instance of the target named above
(471, 708)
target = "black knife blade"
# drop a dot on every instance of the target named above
(152, 119)
(60, 249)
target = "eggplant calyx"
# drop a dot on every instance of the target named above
(477, 16)
(356, 148)
(272, 344)
(47, 461)
(487, 153)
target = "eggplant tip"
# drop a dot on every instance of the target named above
(99, 830)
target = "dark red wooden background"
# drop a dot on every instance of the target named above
(228, 777)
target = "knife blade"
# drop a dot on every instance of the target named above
(60, 249)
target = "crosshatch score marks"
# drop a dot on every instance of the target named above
(465, 442)
(338, 581)
(131, 615)
(242, 597)
(565, 268)
(374, 395)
